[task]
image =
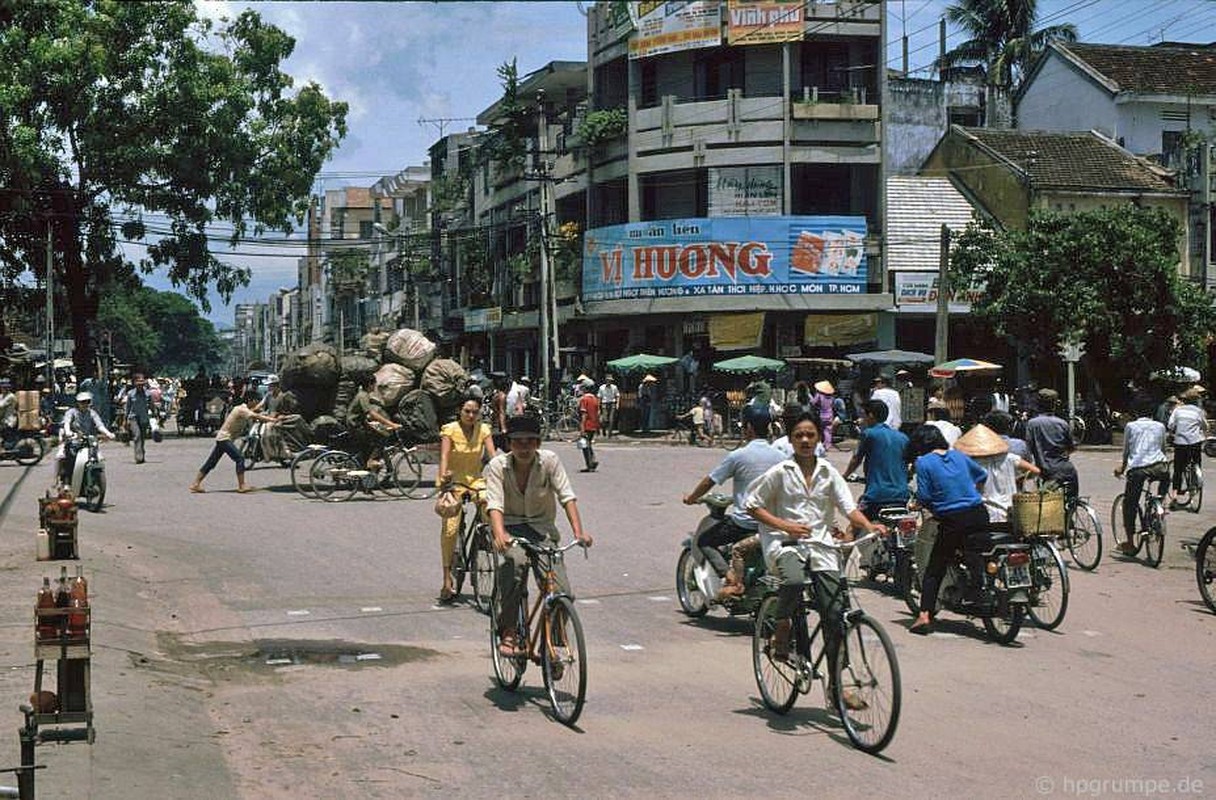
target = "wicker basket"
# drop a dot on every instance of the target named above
(1037, 513)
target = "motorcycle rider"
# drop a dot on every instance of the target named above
(882, 448)
(83, 420)
(137, 408)
(741, 466)
(8, 411)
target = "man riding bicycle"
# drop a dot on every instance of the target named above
(1188, 425)
(1051, 442)
(367, 422)
(1144, 460)
(523, 488)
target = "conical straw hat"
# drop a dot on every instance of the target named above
(980, 442)
(823, 387)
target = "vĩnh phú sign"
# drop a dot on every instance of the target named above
(725, 256)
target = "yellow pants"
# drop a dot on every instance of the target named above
(451, 528)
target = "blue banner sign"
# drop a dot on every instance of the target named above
(725, 255)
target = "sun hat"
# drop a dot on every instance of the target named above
(824, 387)
(650, 379)
(1048, 395)
(84, 397)
(523, 427)
(1192, 393)
(980, 442)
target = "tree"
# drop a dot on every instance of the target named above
(1109, 276)
(1002, 38)
(162, 332)
(115, 111)
(507, 139)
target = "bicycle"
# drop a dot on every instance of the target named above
(1082, 533)
(335, 475)
(552, 635)
(301, 463)
(866, 665)
(474, 555)
(1148, 533)
(1205, 568)
(417, 469)
(1049, 584)
(1192, 485)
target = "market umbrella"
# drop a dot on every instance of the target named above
(890, 357)
(642, 362)
(949, 369)
(747, 364)
(1176, 375)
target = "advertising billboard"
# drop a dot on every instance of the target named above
(668, 27)
(725, 256)
(763, 21)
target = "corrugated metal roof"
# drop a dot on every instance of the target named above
(916, 208)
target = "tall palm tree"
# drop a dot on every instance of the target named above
(1003, 39)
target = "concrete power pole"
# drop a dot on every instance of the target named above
(942, 339)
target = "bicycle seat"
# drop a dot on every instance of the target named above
(992, 538)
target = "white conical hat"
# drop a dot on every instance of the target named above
(981, 441)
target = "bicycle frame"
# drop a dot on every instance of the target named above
(548, 590)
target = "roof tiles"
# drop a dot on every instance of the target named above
(1176, 70)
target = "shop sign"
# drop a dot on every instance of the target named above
(920, 288)
(482, 319)
(763, 22)
(745, 191)
(668, 27)
(725, 256)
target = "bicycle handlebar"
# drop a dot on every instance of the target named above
(838, 545)
(546, 549)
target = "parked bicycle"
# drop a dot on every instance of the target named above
(1148, 532)
(1205, 567)
(865, 667)
(474, 555)
(550, 634)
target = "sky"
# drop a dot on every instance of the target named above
(397, 62)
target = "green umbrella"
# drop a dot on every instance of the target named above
(642, 362)
(747, 364)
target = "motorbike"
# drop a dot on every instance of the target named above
(211, 416)
(892, 559)
(85, 471)
(1005, 587)
(701, 569)
(25, 447)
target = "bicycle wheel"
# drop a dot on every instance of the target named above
(868, 671)
(425, 462)
(1085, 536)
(462, 556)
(693, 603)
(1195, 478)
(1205, 568)
(777, 681)
(1049, 597)
(564, 660)
(1154, 533)
(1116, 525)
(485, 567)
(1004, 629)
(328, 476)
(301, 462)
(907, 582)
(508, 671)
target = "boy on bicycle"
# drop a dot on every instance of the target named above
(1143, 460)
(796, 499)
(523, 488)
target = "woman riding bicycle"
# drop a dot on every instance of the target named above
(461, 447)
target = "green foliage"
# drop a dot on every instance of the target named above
(1002, 38)
(603, 126)
(117, 108)
(161, 332)
(449, 192)
(348, 270)
(506, 143)
(477, 275)
(1111, 276)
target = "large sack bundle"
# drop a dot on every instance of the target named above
(444, 379)
(325, 428)
(392, 382)
(312, 374)
(409, 348)
(345, 393)
(355, 368)
(288, 436)
(417, 416)
(373, 343)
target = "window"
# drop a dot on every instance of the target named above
(649, 83)
(365, 230)
(718, 71)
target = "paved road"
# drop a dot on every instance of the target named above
(193, 594)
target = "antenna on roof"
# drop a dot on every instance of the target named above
(441, 123)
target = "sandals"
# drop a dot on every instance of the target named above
(508, 645)
(446, 595)
(923, 629)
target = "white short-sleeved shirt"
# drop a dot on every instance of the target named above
(890, 398)
(1143, 443)
(1001, 485)
(783, 492)
(1189, 424)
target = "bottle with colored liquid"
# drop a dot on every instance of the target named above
(78, 619)
(46, 629)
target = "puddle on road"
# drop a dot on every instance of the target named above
(271, 654)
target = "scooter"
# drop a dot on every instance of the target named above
(1005, 587)
(212, 414)
(87, 476)
(700, 570)
(891, 558)
(25, 447)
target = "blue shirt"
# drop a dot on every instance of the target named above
(947, 482)
(743, 466)
(886, 472)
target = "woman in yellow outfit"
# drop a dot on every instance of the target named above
(461, 445)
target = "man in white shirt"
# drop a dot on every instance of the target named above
(1143, 460)
(517, 397)
(939, 417)
(882, 391)
(609, 396)
(1189, 426)
(83, 420)
(797, 499)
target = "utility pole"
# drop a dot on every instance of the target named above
(942, 339)
(50, 312)
(542, 135)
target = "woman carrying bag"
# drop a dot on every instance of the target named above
(464, 445)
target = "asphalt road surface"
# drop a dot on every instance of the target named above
(193, 595)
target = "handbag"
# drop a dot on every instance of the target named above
(581, 443)
(447, 504)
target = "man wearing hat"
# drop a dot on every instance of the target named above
(523, 488)
(883, 392)
(823, 404)
(646, 395)
(83, 420)
(1050, 442)
(1189, 426)
(609, 395)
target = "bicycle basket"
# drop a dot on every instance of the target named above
(1037, 513)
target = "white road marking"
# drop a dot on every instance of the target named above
(591, 602)
(660, 599)
(302, 612)
(632, 647)
(371, 609)
(1091, 634)
(367, 657)
(275, 662)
